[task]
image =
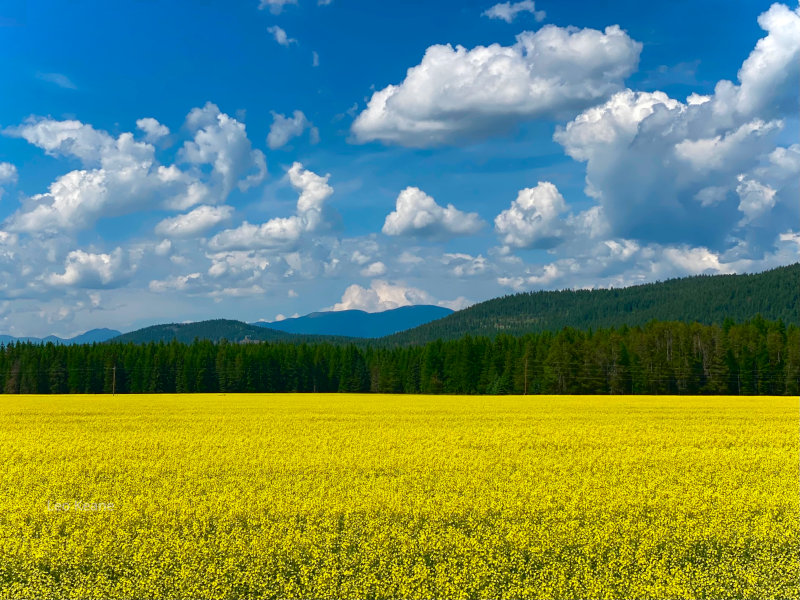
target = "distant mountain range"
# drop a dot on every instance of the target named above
(338, 326)
(335, 327)
(358, 323)
(90, 337)
(709, 299)
(214, 330)
(775, 295)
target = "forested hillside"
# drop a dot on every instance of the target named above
(756, 357)
(215, 330)
(774, 294)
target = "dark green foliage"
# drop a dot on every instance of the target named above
(706, 299)
(754, 357)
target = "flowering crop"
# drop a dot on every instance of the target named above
(369, 496)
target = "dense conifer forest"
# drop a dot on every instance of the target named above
(706, 299)
(753, 357)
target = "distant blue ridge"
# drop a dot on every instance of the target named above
(358, 323)
(351, 323)
(90, 337)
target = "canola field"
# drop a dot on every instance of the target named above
(369, 496)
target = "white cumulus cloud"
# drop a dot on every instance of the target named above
(153, 130)
(221, 141)
(192, 223)
(283, 232)
(120, 176)
(456, 93)
(382, 295)
(89, 270)
(534, 218)
(417, 214)
(669, 172)
(375, 269)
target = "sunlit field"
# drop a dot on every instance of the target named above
(369, 496)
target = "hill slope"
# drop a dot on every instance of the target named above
(360, 323)
(216, 330)
(707, 299)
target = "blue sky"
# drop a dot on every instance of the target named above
(257, 159)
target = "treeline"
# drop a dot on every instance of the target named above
(755, 357)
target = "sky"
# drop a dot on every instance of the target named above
(260, 159)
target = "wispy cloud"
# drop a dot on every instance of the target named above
(508, 11)
(275, 6)
(280, 36)
(58, 79)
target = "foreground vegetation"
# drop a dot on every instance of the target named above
(755, 357)
(355, 496)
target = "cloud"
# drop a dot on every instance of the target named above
(314, 58)
(508, 11)
(465, 265)
(88, 270)
(221, 141)
(755, 199)
(197, 221)
(285, 128)
(241, 264)
(153, 130)
(121, 176)
(283, 232)
(732, 147)
(698, 172)
(376, 269)
(163, 248)
(456, 94)
(275, 6)
(191, 283)
(787, 159)
(58, 79)
(71, 138)
(382, 295)
(8, 175)
(280, 36)
(620, 262)
(417, 214)
(769, 78)
(534, 218)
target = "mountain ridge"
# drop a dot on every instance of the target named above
(92, 336)
(359, 323)
(215, 330)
